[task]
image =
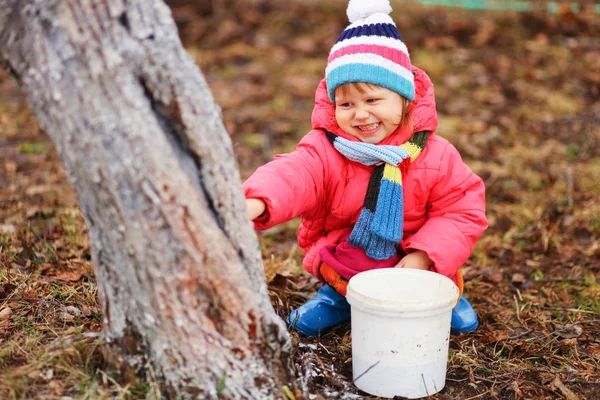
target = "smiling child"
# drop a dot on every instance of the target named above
(373, 184)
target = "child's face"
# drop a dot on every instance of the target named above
(368, 112)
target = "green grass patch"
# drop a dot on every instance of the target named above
(32, 148)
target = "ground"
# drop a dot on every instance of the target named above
(517, 93)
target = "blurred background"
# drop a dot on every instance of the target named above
(518, 95)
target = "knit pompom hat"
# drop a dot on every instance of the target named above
(370, 50)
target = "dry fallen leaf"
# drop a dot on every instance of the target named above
(569, 395)
(65, 316)
(32, 211)
(518, 391)
(568, 331)
(5, 314)
(8, 228)
(37, 189)
(56, 386)
(518, 278)
(470, 273)
(72, 276)
(73, 310)
(594, 351)
(491, 274)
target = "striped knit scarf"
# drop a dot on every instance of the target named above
(380, 224)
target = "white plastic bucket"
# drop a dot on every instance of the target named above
(400, 331)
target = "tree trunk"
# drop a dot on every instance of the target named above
(142, 140)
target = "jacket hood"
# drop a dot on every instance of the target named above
(422, 112)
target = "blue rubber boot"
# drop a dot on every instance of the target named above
(464, 318)
(326, 309)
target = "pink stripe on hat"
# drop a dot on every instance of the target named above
(394, 55)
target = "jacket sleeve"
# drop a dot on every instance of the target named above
(456, 215)
(289, 185)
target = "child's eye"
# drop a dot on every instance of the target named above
(344, 105)
(372, 100)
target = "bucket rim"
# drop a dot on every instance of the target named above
(370, 303)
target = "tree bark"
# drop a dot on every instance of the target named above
(135, 125)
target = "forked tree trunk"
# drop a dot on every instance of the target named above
(138, 132)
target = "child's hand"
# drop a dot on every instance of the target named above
(416, 260)
(255, 208)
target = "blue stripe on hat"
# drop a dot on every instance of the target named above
(369, 73)
(385, 30)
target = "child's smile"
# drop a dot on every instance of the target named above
(368, 112)
(369, 129)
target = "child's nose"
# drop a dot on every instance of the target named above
(361, 113)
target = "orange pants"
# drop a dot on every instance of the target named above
(340, 284)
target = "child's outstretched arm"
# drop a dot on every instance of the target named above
(456, 216)
(290, 185)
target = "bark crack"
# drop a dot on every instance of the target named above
(124, 21)
(171, 120)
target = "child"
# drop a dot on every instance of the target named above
(375, 187)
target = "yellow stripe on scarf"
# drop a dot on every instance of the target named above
(412, 149)
(392, 173)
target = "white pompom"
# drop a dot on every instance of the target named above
(359, 9)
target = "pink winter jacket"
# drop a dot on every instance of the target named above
(444, 200)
